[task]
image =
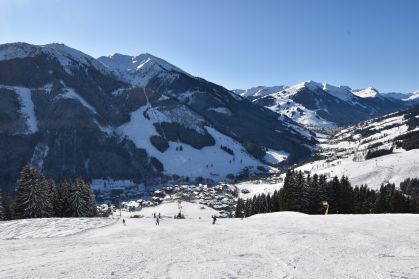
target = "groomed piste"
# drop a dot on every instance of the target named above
(276, 245)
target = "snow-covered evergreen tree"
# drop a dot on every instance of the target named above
(33, 198)
(89, 197)
(8, 206)
(63, 198)
(78, 199)
(54, 196)
(76, 205)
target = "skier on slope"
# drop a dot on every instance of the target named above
(123, 221)
(214, 218)
(157, 221)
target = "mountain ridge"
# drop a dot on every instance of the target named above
(150, 123)
(315, 104)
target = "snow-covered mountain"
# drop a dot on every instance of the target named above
(66, 56)
(259, 91)
(369, 92)
(410, 98)
(397, 95)
(138, 70)
(137, 118)
(373, 152)
(314, 104)
(414, 98)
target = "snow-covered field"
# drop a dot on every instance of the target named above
(392, 168)
(257, 187)
(278, 245)
(49, 227)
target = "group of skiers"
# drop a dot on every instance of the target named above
(157, 217)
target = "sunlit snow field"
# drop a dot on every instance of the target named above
(277, 245)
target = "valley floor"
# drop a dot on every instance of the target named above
(277, 245)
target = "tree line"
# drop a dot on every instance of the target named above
(306, 194)
(40, 197)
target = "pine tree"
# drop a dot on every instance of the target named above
(380, 205)
(415, 205)
(286, 192)
(275, 202)
(255, 205)
(332, 193)
(53, 195)
(78, 199)
(239, 208)
(76, 205)
(345, 199)
(268, 203)
(313, 191)
(90, 199)
(300, 198)
(323, 187)
(2, 208)
(248, 208)
(32, 195)
(293, 195)
(263, 205)
(7, 206)
(59, 200)
(397, 202)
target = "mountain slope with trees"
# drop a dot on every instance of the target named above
(72, 115)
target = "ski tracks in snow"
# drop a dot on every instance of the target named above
(278, 245)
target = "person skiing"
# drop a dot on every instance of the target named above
(159, 215)
(157, 221)
(214, 218)
(123, 221)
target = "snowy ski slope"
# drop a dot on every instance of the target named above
(277, 245)
(392, 168)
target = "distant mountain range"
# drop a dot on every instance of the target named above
(143, 119)
(137, 118)
(314, 104)
(374, 152)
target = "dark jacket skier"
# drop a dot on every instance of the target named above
(214, 218)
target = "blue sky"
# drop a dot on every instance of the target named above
(238, 43)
